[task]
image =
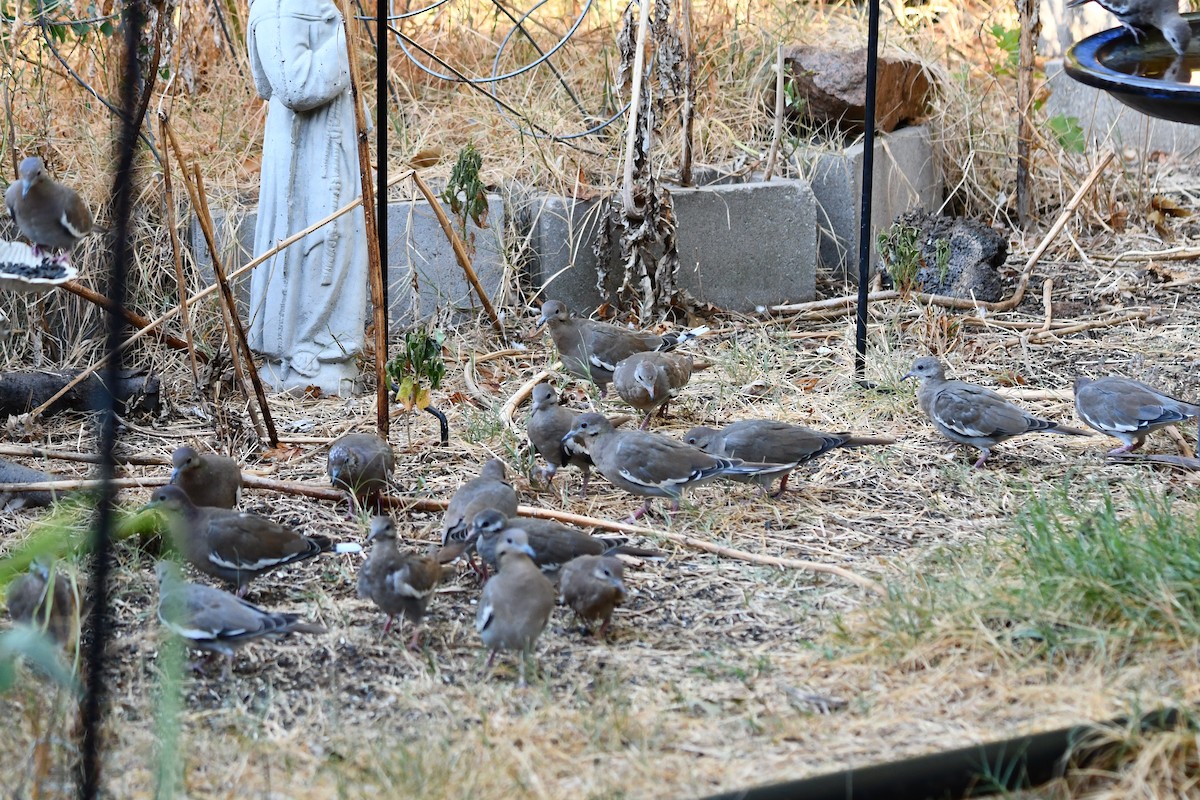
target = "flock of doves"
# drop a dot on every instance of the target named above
(521, 558)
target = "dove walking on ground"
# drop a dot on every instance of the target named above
(516, 604)
(592, 349)
(232, 546)
(593, 586)
(548, 423)
(652, 465)
(399, 583)
(1127, 409)
(208, 479)
(216, 621)
(771, 441)
(973, 415)
(648, 381)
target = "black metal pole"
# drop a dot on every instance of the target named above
(868, 175)
(120, 256)
(382, 122)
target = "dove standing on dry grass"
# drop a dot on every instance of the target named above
(37, 600)
(52, 216)
(488, 491)
(553, 543)
(593, 586)
(232, 546)
(399, 583)
(973, 415)
(548, 423)
(771, 441)
(652, 465)
(1127, 409)
(216, 621)
(1138, 15)
(648, 381)
(516, 604)
(591, 349)
(362, 464)
(209, 479)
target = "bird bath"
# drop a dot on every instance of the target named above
(1147, 76)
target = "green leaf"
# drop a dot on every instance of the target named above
(1068, 133)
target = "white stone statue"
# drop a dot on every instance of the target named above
(308, 304)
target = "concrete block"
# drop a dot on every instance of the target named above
(740, 245)
(418, 253)
(1110, 122)
(905, 176)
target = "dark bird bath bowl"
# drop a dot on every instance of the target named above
(1148, 76)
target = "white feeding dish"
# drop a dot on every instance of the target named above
(22, 271)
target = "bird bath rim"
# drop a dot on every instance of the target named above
(1088, 61)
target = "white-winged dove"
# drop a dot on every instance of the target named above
(970, 414)
(52, 216)
(1139, 15)
(232, 546)
(48, 604)
(648, 381)
(548, 423)
(516, 604)
(362, 464)
(771, 441)
(592, 349)
(216, 621)
(1127, 409)
(209, 479)
(652, 465)
(488, 491)
(399, 583)
(553, 543)
(593, 586)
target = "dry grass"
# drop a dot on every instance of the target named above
(711, 676)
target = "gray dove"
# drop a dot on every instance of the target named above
(1127, 409)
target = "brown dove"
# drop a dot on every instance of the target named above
(652, 465)
(399, 583)
(970, 414)
(553, 543)
(208, 479)
(47, 604)
(362, 464)
(232, 546)
(648, 381)
(768, 440)
(593, 586)
(1127, 409)
(515, 605)
(592, 349)
(548, 423)
(50, 215)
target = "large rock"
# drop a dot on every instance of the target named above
(832, 83)
(958, 257)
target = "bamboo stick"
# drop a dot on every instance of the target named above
(132, 317)
(169, 218)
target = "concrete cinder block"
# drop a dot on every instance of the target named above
(740, 245)
(418, 252)
(1110, 122)
(905, 176)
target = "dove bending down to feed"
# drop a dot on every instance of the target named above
(548, 423)
(593, 586)
(399, 583)
(362, 464)
(232, 546)
(488, 491)
(648, 381)
(970, 414)
(592, 349)
(47, 604)
(216, 621)
(516, 604)
(1138, 15)
(553, 544)
(50, 215)
(1127, 409)
(652, 465)
(771, 441)
(207, 480)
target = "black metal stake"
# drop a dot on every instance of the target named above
(120, 256)
(868, 175)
